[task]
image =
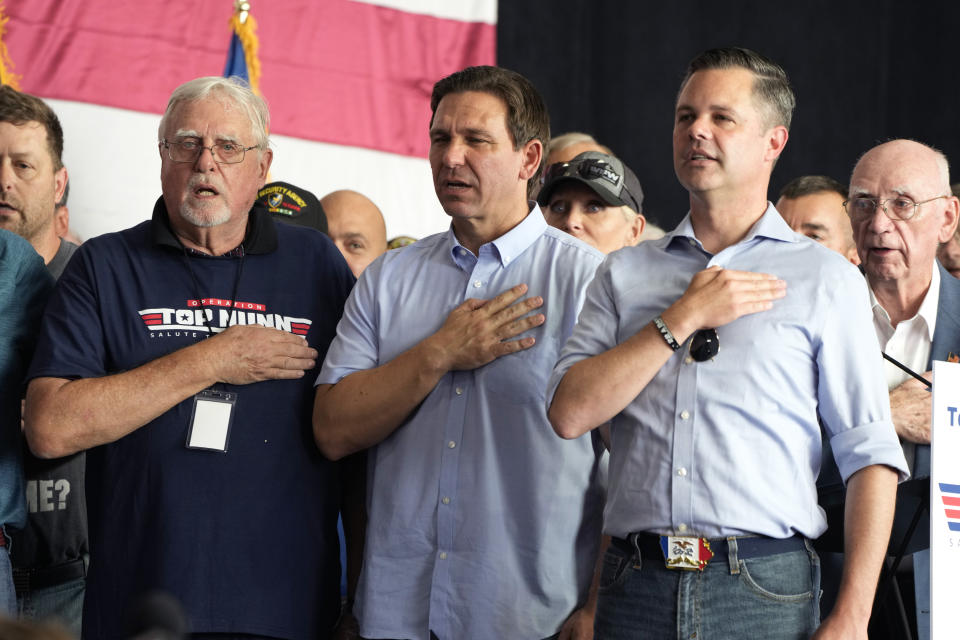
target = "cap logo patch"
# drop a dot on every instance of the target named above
(604, 172)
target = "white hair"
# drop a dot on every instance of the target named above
(234, 89)
(564, 140)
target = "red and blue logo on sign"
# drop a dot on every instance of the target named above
(950, 494)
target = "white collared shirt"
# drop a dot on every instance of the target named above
(910, 341)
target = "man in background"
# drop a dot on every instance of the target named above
(356, 226)
(949, 252)
(902, 208)
(813, 206)
(50, 553)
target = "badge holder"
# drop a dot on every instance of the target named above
(211, 420)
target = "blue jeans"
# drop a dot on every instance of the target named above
(773, 597)
(8, 594)
(62, 603)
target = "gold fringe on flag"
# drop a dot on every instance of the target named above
(245, 27)
(7, 76)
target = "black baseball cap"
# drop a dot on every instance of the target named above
(293, 204)
(606, 176)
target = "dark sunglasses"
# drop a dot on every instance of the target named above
(704, 345)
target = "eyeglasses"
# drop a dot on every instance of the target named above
(704, 345)
(222, 152)
(899, 208)
(589, 169)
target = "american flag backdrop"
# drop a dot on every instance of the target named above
(348, 83)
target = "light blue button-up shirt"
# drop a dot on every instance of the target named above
(732, 446)
(482, 522)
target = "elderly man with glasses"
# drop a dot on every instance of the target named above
(178, 353)
(902, 208)
(715, 375)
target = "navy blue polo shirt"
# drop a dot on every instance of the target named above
(246, 539)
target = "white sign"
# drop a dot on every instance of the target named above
(945, 501)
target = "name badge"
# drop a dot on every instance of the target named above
(684, 552)
(212, 417)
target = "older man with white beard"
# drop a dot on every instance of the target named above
(178, 354)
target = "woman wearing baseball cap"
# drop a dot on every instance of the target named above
(596, 198)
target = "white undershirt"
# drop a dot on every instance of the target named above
(910, 341)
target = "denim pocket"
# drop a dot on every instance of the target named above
(614, 570)
(785, 577)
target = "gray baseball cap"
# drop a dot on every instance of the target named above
(606, 176)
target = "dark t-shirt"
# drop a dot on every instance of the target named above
(56, 530)
(61, 258)
(246, 539)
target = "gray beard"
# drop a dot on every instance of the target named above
(206, 221)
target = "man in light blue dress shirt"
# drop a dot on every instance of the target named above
(714, 350)
(482, 523)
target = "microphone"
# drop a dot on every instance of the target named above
(156, 615)
(907, 369)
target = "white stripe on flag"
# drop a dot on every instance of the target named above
(112, 158)
(464, 10)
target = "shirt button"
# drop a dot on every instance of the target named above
(684, 415)
(692, 241)
(477, 284)
(688, 360)
(443, 555)
(445, 500)
(451, 444)
(459, 391)
(682, 471)
(681, 527)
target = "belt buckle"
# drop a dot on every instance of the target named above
(685, 552)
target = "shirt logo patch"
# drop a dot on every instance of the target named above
(213, 315)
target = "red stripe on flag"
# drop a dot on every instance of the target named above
(342, 72)
(953, 513)
(951, 501)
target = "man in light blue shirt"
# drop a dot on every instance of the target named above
(714, 374)
(482, 523)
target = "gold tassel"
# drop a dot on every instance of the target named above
(6, 64)
(245, 27)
